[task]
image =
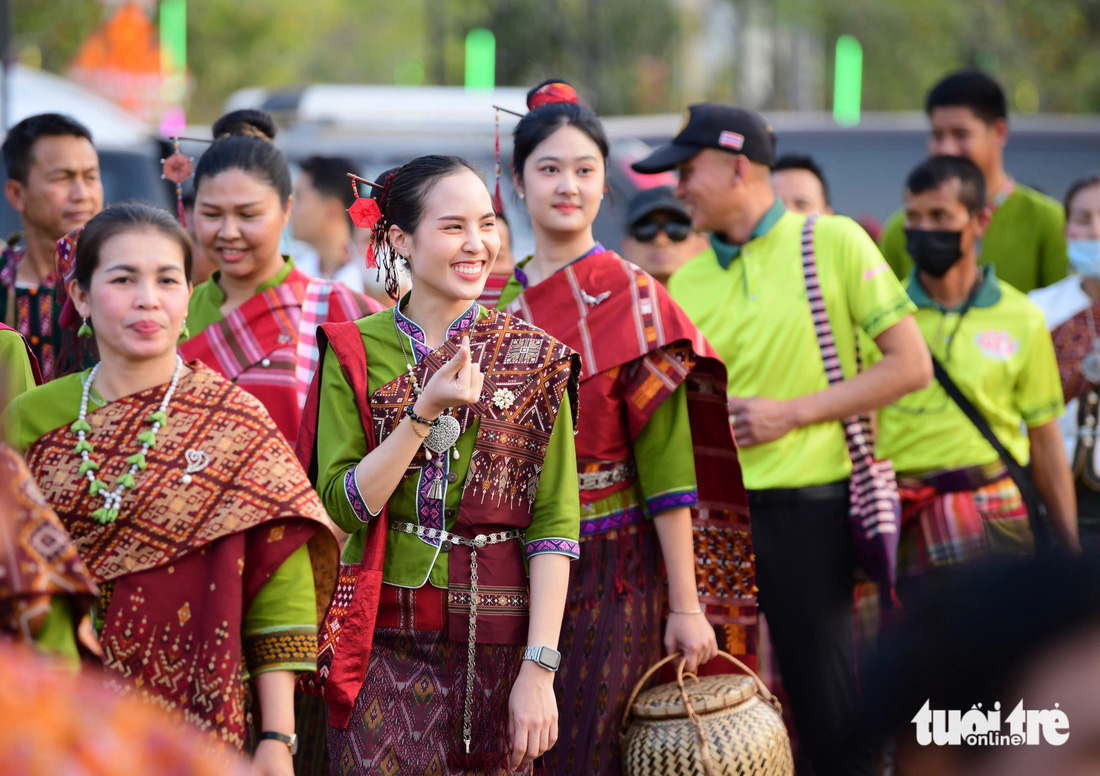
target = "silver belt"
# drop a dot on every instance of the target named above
(620, 472)
(481, 540)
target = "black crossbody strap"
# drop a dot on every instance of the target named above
(1019, 474)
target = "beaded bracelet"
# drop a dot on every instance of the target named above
(417, 419)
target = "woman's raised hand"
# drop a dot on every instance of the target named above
(457, 383)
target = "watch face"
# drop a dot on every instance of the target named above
(550, 658)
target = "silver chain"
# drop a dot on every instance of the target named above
(481, 540)
(468, 713)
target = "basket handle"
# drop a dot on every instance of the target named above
(641, 683)
(696, 720)
(761, 688)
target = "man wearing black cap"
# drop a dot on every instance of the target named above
(659, 237)
(750, 301)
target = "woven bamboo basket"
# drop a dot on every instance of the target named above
(724, 725)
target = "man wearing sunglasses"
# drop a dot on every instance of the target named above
(659, 237)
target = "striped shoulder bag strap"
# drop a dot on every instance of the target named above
(875, 514)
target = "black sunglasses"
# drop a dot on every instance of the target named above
(646, 231)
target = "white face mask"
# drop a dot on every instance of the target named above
(1084, 257)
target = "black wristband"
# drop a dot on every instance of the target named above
(417, 419)
(291, 741)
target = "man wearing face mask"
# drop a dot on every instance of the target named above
(961, 499)
(1072, 307)
(968, 116)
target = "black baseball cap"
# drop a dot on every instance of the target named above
(714, 125)
(655, 200)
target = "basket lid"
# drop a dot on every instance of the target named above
(708, 693)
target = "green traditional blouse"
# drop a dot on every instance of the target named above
(342, 444)
(208, 297)
(663, 456)
(17, 377)
(287, 600)
(57, 636)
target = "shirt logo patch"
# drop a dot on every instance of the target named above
(874, 272)
(997, 345)
(731, 140)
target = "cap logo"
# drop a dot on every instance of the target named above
(731, 140)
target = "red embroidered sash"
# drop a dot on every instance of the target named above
(354, 608)
(187, 559)
(619, 318)
(268, 347)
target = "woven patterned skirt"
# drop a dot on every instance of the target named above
(943, 529)
(611, 634)
(408, 715)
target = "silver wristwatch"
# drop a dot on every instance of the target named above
(547, 657)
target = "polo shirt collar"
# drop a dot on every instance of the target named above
(989, 293)
(727, 252)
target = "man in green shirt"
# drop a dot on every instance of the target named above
(1025, 239)
(960, 500)
(749, 299)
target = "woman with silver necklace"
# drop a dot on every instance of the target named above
(439, 434)
(187, 505)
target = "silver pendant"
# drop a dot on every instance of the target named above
(1090, 366)
(443, 434)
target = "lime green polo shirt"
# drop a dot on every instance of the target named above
(1025, 241)
(755, 313)
(208, 298)
(1000, 354)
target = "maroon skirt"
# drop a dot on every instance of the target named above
(408, 714)
(612, 632)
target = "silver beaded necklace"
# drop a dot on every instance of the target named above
(112, 499)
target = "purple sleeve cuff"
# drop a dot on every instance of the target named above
(358, 505)
(566, 547)
(675, 500)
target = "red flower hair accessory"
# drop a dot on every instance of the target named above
(366, 212)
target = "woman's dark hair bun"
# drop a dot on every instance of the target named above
(247, 122)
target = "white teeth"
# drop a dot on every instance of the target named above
(467, 269)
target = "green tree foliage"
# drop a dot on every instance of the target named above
(55, 27)
(624, 54)
(1042, 51)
